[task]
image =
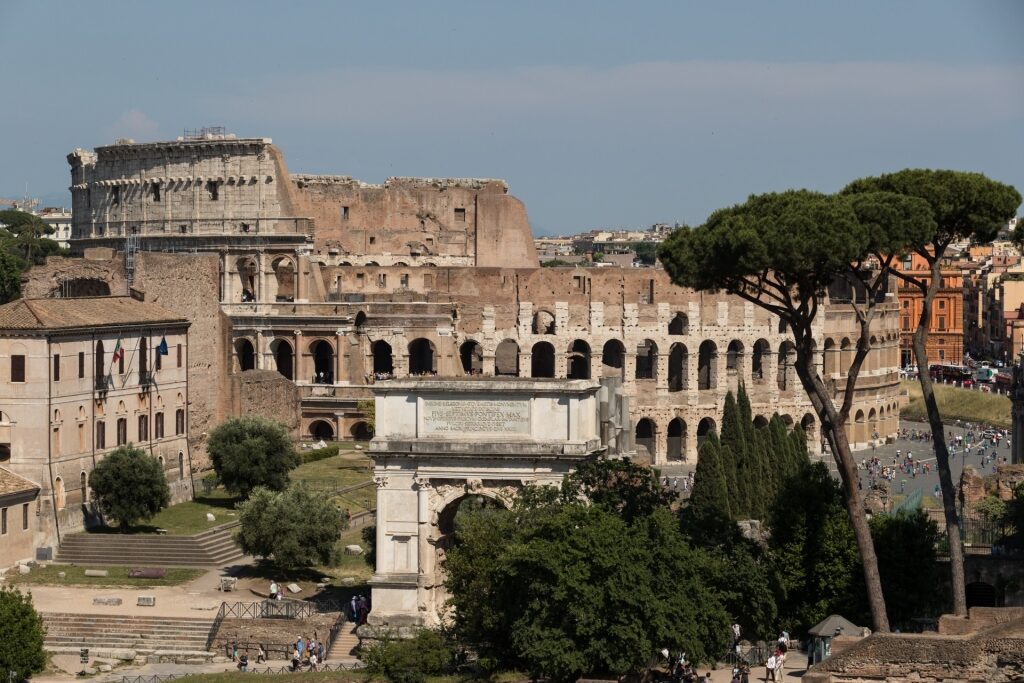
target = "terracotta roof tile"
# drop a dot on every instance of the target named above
(46, 314)
(12, 483)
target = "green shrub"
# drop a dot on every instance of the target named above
(21, 635)
(320, 453)
(428, 653)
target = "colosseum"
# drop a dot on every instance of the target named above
(304, 290)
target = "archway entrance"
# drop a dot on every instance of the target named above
(506, 359)
(323, 362)
(676, 439)
(613, 358)
(422, 357)
(361, 431)
(284, 359)
(579, 360)
(246, 355)
(472, 356)
(542, 360)
(383, 365)
(321, 430)
(645, 439)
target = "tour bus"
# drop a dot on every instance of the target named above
(952, 373)
(1003, 381)
(984, 374)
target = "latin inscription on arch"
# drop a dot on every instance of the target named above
(454, 417)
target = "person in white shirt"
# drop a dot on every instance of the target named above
(769, 669)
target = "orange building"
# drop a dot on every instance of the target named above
(946, 330)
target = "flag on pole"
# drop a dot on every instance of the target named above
(118, 352)
(162, 348)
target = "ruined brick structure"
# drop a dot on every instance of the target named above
(333, 283)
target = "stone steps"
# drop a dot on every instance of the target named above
(344, 647)
(215, 547)
(128, 632)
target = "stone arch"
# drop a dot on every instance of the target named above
(284, 277)
(679, 325)
(383, 361)
(322, 352)
(830, 361)
(784, 370)
(809, 425)
(361, 431)
(646, 360)
(734, 361)
(704, 427)
(422, 357)
(787, 420)
(707, 365)
(360, 320)
(248, 278)
(846, 351)
(859, 427)
(506, 359)
(760, 422)
(542, 360)
(245, 355)
(59, 494)
(762, 350)
(284, 357)
(579, 360)
(321, 430)
(613, 358)
(676, 439)
(472, 356)
(678, 367)
(872, 423)
(645, 439)
(543, 322)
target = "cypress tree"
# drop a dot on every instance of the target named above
(799, 454)
(710, 497)
(733, 451)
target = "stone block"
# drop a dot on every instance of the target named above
(111, 602)
(62, 575)
(122, 655)
(146, 601)
(354, 549)
(210, 517)
(98, 573)
(348, 581)
(24, 569)
(294, 588)
(105, 668)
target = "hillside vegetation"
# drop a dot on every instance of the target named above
(958, 404)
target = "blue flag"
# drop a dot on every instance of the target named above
(162, 349)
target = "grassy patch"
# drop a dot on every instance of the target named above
(959, 404)
(317, 677)
(186, 519)
(117, 577)
(345, 469)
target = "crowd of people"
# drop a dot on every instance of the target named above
(308, 654)
(678, 484)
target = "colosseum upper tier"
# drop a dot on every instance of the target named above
(333, 284)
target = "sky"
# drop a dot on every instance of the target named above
(598, 114)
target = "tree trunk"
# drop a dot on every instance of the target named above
(833, 425)
(956, 548)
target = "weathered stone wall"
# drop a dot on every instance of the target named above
(267, 394)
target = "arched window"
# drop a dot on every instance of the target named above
(734, 359)
(678, 367)
(321, 430)
(613, 358)
(101, 435)
(579, 360)
(181, 464)
(323, 362)
(704, 427)
(647, 360)
(422, 357)
(179, 421)
(762, 350)
(143, 428)
(83, 484)
(284, 359)
(361, 431)
(143, 360)
(158, 426)
(383, 364)
(542, 360)
(707, 366)
(59, 495)
(543, 323)
(246, 355)
(786, 363)
(506, 359)
(760, 422)
(122, 431)
(284, 275)
(680, 324)
(644, 441)
(676, 439)
(808, 425)
(472, 356)
(831, 360)
(100, 367)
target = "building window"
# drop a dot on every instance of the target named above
(906, 303)
(373, 240)
(906, 323)
(115, 195)
(404, 280)
(183, 228)
(344, 213)
(122, 431)
(942, 323)
(211, 187)
(56, 367)
(101, 435)
(460, 215)
(156, 191)
(942, 355)
(179, 355)
(158, 361)
(24, 517)
(81, 364)
(3, 522)
(120, 362)
(158, 426)
(143, 428)
(179, 421)
(18, 368)
(942, 303)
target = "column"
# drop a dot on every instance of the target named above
(298, 368)
(424, 566)
(340, 335)
(260, 346)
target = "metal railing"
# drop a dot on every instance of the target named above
(271, 670)
(278, 609)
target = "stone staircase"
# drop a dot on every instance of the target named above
(345, 646)
(129, 637)
(212, 548)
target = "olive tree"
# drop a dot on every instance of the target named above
(963, 206)
(781, 252)
(129, 485)
(252, 451)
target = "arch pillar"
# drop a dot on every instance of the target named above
(400, 360)
(298, 364)
(487, 365)
(261, 362)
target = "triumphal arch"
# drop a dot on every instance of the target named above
(442, 441)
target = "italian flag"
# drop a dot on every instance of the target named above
(118, 352)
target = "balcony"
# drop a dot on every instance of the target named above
(103, 384)
(146, 380)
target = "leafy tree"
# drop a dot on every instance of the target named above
(252, 451)
(411, 660)
(21, 635)
(296, 527)
(573, 588)
(368, 408)
(812, 548)
(709, 499)
(556, 263)
(617, 484)
(963, 206)
(23, 242)
(781, 252)
(129, 485)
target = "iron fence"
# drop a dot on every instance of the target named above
(271, 670)
(279, 609)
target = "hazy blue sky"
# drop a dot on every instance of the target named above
(597, 113)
